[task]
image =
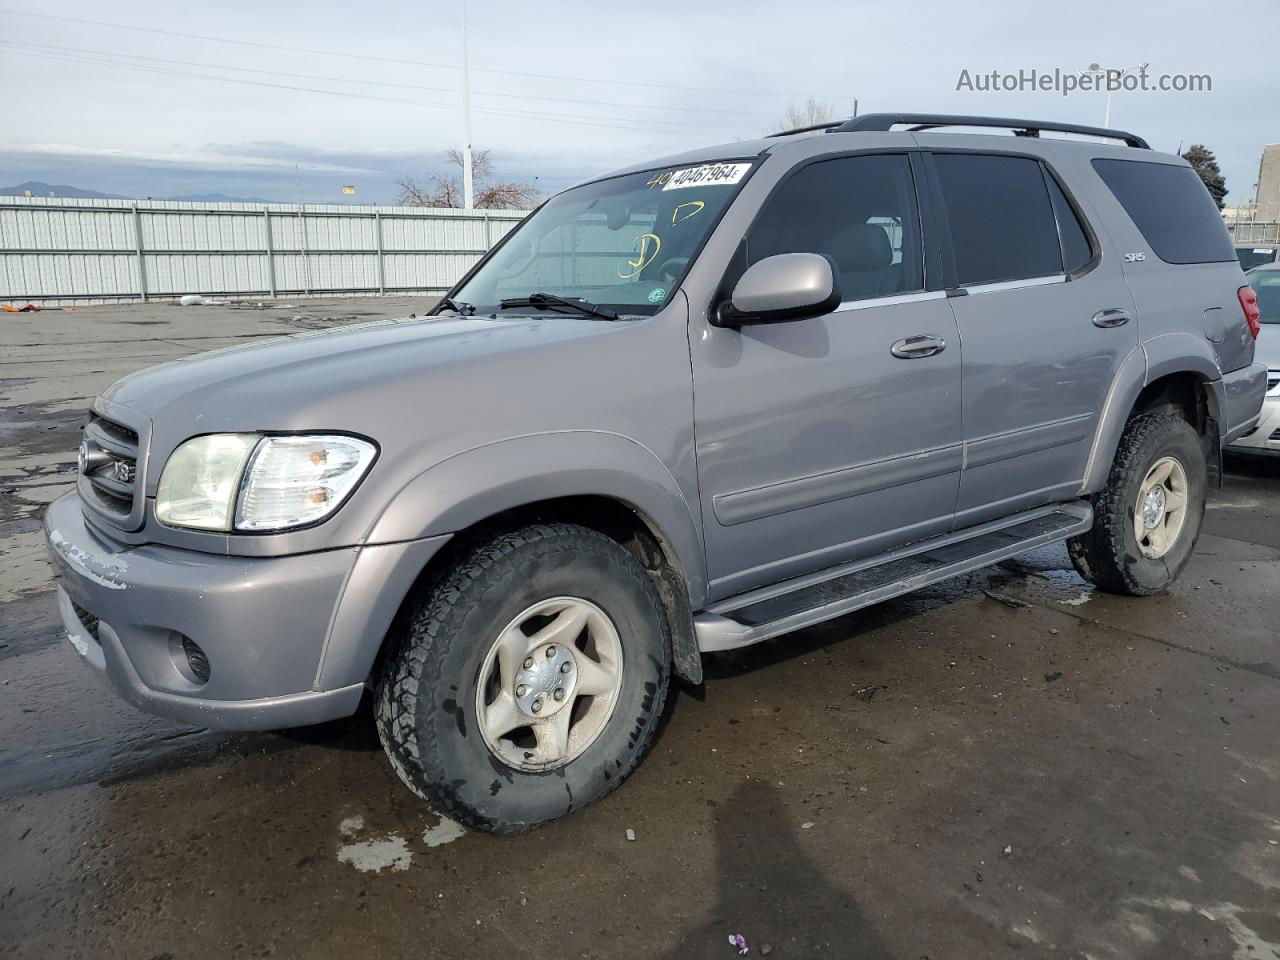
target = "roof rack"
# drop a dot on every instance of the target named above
(930, 121)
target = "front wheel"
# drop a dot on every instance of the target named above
(529, 680)
(1147, 518)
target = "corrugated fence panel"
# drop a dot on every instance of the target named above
(69, 250)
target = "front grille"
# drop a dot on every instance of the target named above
(87, 620)
(111, 468)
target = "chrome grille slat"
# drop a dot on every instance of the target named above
(110, 492)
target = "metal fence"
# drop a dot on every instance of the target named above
(55, 250)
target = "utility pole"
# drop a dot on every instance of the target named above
(468, 185)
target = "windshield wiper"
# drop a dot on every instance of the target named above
(459, 307)
(549, 301)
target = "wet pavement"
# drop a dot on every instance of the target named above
(1008, 764)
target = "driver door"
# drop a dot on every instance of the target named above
(822, 440)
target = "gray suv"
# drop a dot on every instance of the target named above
(685, 407)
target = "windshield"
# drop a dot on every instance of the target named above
(622, 243)
(1266, 284)
(1251, 257)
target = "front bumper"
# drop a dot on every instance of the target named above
(289, 640)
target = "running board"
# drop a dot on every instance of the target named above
(801, 602)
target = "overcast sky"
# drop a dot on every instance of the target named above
(563, 91)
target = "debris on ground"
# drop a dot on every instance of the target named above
(631, 834)
(765, 949)
(1008, 850)
(192, 300)
(807, 825)
(1053, 677)
(1007, 601)
(29, 308)
(739, 943)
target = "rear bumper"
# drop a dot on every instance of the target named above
(1266, 435)
(289, 641)
(1243, 392)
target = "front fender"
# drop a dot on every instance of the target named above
(477, 484)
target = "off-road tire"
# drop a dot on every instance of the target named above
(425, 703)
(1108, 555)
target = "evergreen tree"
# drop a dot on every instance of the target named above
(1205, 164)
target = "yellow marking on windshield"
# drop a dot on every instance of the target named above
(696, 208)
(644, 256)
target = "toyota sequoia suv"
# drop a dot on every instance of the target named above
(688, 406)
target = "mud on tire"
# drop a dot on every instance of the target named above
(1109, 555)
(426, 697)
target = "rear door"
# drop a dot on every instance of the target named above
(1045, 325)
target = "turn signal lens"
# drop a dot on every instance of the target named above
(292, 481)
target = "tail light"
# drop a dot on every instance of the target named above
(1252, 315)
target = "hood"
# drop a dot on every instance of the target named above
(366, 379)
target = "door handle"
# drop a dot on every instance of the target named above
(913, 348)
(1114, 317)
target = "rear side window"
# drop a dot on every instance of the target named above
(1076, 251)
(1172, 209)
(859, 211)
(1001, 219)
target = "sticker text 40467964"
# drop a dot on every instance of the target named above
(706, 175)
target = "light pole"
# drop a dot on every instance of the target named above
(1095, 69)
(468, 191)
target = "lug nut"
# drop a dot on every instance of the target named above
(566, 667)
(528, 663)
(551, 651)
(521, 690)
(537, 706)
(559, 694)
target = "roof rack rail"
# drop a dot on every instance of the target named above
(929, 121)
(1022, 128)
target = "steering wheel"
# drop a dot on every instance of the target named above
(671, 268)
(526, 261)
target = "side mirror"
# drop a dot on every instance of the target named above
(789, 286)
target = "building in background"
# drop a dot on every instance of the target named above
(1258, 219)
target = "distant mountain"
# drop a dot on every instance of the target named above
(64, 191)
(39, 189)
(214, 198)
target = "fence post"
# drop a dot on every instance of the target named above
(271, 253)
(137, 243)
(377, 234)
(306, 261)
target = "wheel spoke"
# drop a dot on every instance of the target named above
(553, 735)
(1174, 500)
(1159, 473)
(502, 716)
(513, 647)
(564, 629)
(595, 679)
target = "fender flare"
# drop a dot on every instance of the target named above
(1145, 364)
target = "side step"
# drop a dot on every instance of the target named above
(801, 602)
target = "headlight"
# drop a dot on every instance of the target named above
(262, 483)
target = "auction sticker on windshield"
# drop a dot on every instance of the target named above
(707, 175)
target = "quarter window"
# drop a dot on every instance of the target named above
(1171, 207)
(1001, 219)
(1076, 251)
(859, 211)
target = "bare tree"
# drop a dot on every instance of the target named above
(445, 190)
(812, 111)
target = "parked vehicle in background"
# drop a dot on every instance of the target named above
(689, 406)
(1256, 255)
(1265, 437)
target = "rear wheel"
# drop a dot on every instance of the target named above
(1147, 518)
(530, 678)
